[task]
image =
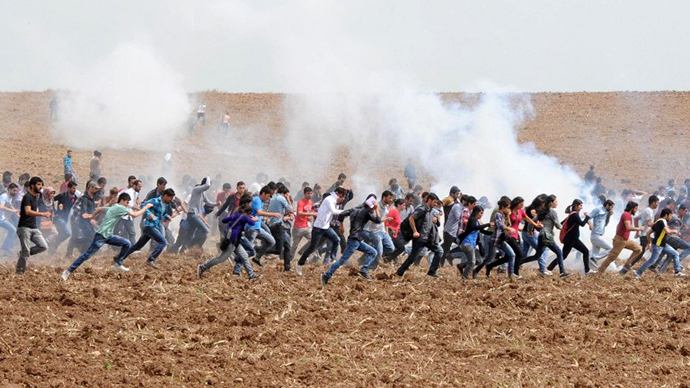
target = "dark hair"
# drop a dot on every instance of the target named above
(653, 199)
(246, 198)
(131, 178)
(97, 153)
(545, 206)
(136, 182)
(471, 200)
(282, 189)
(454, 190)
(670, 201)
(476, 210)
(70, 184)
(409, 195)
(682, 207)
(265, 190)
(339, 190)
(386, 193)
(317, 187)
(102, 181)
(432, 197)
(463, 198)
(272, 185)
(609, 202)
(665, 212)
(516, 202)
(169, 192)
(392, 181)
(305, 184)
(244, 208)
(502, 203)
(342, 176)
(161, 181)
(630, 206)
(34, 180)
(398, 202)
(14, 186)
(240, 183)
(124, 197)
(306, 189)
(227, 186)
(576, 203)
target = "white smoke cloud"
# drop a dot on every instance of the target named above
(129, 99)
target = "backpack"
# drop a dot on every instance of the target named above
(406, 229)
(566, 227)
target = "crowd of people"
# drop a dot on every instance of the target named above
(399, 227)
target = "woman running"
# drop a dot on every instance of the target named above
(516, 216)
(468, 241)
(572, 234)
(549, 218)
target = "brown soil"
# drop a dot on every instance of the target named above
(166, 328)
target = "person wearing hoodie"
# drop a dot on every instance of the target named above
(359, 216)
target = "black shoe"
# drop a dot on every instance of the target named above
(324, 280)
(254, 277)
(365, 276)
(459, 267)
(257, 261)
(566, 275)
(433, 275)
(199, 271)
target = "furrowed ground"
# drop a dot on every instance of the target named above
(167, 328)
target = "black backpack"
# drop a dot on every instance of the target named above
(406, 229)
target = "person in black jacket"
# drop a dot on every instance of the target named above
(424, 235)
(359, 216)
(571, 240)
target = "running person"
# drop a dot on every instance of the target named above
(27, 228)
(572, 234)
(661, 231)
(622, 239)
(105, 233)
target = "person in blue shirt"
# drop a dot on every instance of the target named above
(152, 228)
(280, 226)
(600, 217)
(255, 231)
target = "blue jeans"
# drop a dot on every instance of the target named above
(261, 234)
(380, 241)
(532, 242)
(10, 240)
(316, 235)
(352, 246)
(64, 232)
(96, 244)
(198, 231)
(676, 243)
(148, 233)
(656, 252)
(240, 258)
(541, 249)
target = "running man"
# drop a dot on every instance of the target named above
(27, 228)
(622, 239)
(105, 234)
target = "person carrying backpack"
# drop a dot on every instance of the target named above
(570, 235)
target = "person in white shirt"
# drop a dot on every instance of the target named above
(322, 227)
(125, 227)
(201, 114)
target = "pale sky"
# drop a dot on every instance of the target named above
(292, 46)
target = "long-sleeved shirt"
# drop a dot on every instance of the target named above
(278, 204)
(452, 225)
(359, 216)
(574, 223)
(195, 205)
(83, 205)
(499, 229)
(159, 211)
(326, 212)
(470, 235)
(423, 220)
(236, 223)
(550, 221)
(598, 217)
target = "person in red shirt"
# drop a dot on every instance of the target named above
(301, 229)
(622, 239)
(393, 227)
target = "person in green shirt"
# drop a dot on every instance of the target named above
(104, 234)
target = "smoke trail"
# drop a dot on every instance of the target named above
(130, 99)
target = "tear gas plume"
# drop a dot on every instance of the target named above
(130, 99)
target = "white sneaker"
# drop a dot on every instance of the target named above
(547, 273)
(65, 275)
(120, 268)
(681, 275)
(298, 270)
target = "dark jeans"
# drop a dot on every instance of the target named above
(541, 247)
(96, 244)
(518, 258)
(567, 247)
(82, 235)
(399, 244)
(417, 247)
(282, 244)
(148, 233)
(316, 235)
(448, 241)
(64, 232)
